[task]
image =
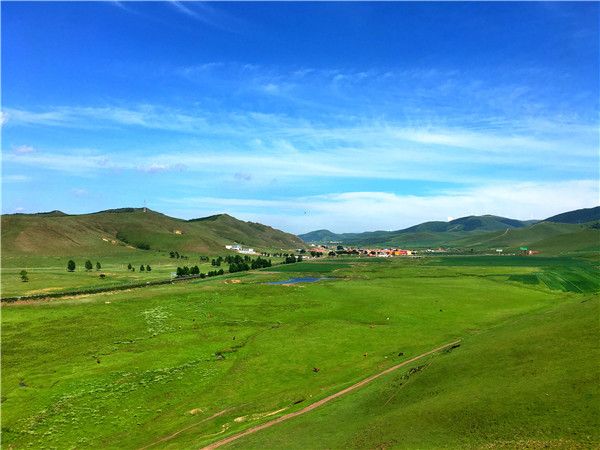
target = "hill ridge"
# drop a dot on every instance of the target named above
(124, 230)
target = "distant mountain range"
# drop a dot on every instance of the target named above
(125, 230)
(573, 230)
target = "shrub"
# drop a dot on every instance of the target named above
(24, 277)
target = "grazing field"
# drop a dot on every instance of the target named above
(311, 267)
(181, 366)
(49, 274)
(531, 382)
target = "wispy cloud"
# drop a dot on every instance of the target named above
(208, 15)
(184, 9)
(24, 149)
(271, 145)
(361, 211)
(15, 178)
(80, 192)
(160, 167)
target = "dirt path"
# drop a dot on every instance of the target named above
(327, 399)
(171, 436)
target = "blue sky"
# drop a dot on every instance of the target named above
(347, 116)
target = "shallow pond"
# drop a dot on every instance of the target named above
(299, 280)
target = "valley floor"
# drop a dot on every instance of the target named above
(184, 366)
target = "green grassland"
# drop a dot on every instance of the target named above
(311, 267)
(207, 358)
(531, 382)
(49, 274)
(54, 277)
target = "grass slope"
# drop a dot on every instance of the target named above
(121, 232)
(463, 224)
(207, 359)
(570, 232)
(577, 216)
(547, 237)
(530, 382)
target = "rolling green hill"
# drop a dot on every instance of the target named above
(577, 216)
(467, 224)
(115, 232)
(571, 232)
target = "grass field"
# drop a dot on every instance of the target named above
(180, 366)
(531, 382)
(49, 274)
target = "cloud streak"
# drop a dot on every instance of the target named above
(370, 211)
(272, 145)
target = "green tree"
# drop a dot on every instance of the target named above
(148, 268)
(129, 266)
(88, 265)
(24, 277)
(98, 266)
(71, 266)
(142, 268)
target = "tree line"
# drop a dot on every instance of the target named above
(236, 263)
(71, 266)
(88, 265)
(195, 270)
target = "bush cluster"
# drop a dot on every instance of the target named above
(186, 271)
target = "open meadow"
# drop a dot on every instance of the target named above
(299, 225)
(50, 275)
(184, 365)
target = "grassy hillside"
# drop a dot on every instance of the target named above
(125, 231)
(463, 224)
(552, 238)
(577, 216)
(183, 365)
(531, 382)
(571, 232)
(469, 223)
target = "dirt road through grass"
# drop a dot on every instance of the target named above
(327, 399)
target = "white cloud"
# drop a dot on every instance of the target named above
(23, 149)
(369, 211)
(15, 179)
(511, 142)
(271, 88)
(160, 167)
(77, 162)
(286, 146)
(79, 192)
